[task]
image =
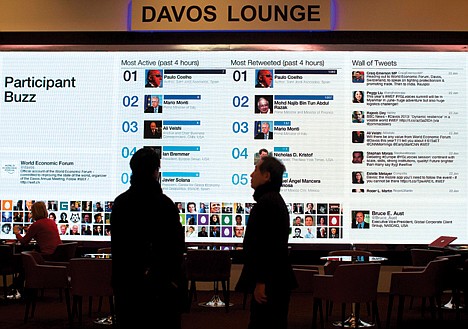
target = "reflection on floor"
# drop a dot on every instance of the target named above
(51, 314)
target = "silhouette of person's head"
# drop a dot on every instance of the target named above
(145, 164)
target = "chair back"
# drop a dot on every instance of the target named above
(455, 260)
(421, 257)
(91, 276)
(104, 250)
(464, 279)
(356, 283)
(426, 283)
(7, 266)
(436, 271)
(305, 278)
(64, 252)
(40, 276)
(208, 265)
(6, 260)
(453, 277)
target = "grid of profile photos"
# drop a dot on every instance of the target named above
(311, 220)
(308, 220)
(214, 219)
(76, 217)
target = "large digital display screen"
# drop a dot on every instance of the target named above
(374, 141)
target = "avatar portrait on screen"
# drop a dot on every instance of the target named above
(154, 78)
(263, 104)
(202, 208)
(215, 207)
(238, 208)
(19, 205)
(334, 220)
(6, 204)
(358, 157)
(358, 76)
(64, 217)
(297, 233)
(262, 130)
(153, 129)
(74, 218)
(18, 217)
(98, 206)
(180, 206)
(358, 96)
(309, 208)
(202, 233)
(298, 221)
(53, 216)
(226, 219)
(309, 220)
(239, 231)
(191, 207)
(52, 205)
(334, 233)
(322, 208)
(260, 154)
(87, 205)
(321, 220)
(309, 234)
(264, 78)
(239, 219)
(358, 177)
(153, 104)
(334, 208)
(298, 208)
(227, 207)
(75, 205)
(190, 219)
(321, 232)
(6, 228)
(357, 136)
(7, 216)
(360, 219)
(358, 117)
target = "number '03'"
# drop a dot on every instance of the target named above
(130, 127)
(240, 127)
